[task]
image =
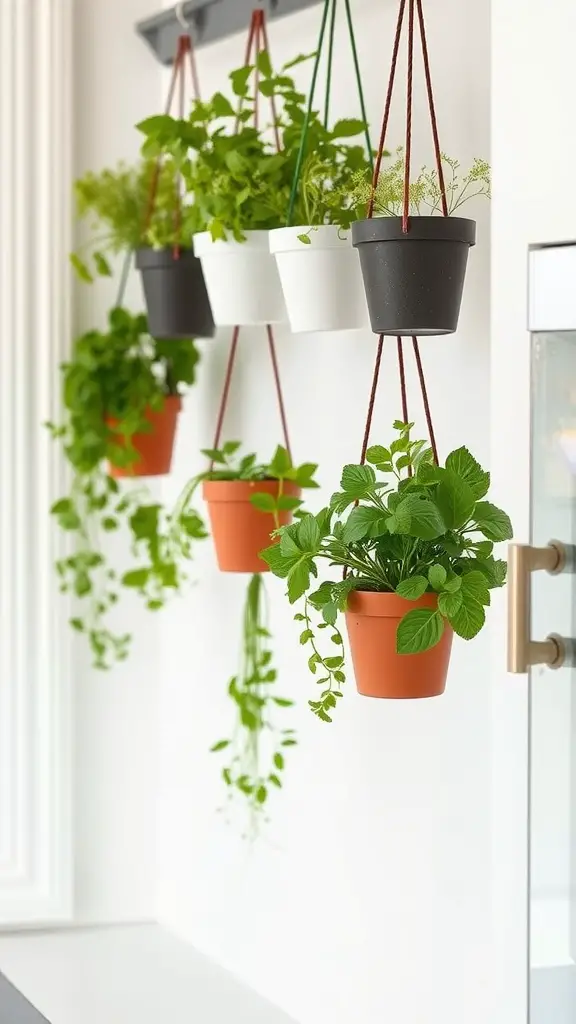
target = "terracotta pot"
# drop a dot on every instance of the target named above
(154, 449)
(372, 620)
(240, 530)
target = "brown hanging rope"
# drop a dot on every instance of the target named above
(413, 7)
(184, 50)
(257, 41)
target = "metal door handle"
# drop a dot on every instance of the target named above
(523, 652)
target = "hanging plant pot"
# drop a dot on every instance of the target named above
(242, 280)
(372, 620)
(321, 279)
(239, 529)
(175, 293)
(154, 448)
(414, 281)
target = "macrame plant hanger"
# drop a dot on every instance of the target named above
(413, 6)
(257, 41)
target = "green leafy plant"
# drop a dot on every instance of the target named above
(116, 203)
(425, 191)
(416, 528)
(118, 374)
(237, 178)
(226, 465)
(253, 694)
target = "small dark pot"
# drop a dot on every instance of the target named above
(414, 281)
(176, 298)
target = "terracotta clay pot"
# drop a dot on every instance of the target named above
(155, 448)
(240, 530)
(372, 620)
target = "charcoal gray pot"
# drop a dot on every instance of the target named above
(414, 281)
(175, 292)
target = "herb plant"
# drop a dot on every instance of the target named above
(237, 178)
(224, 466)
(425, 191)
(254, 699)
(116, 202)
(118, 373)
(413, 528)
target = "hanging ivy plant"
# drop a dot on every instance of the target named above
(118, 374)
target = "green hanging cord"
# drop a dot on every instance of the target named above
(300, 159)
(329, 63)
(359, 81)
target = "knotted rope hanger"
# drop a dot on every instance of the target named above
(414, 6)
(257, 41)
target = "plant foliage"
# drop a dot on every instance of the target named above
(399, 524)
(118, 374)
(252, 691)
(232, 169)
(425, 190)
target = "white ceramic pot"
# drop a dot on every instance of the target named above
(321, 281)
(241, 279)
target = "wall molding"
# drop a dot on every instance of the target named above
(36, 90)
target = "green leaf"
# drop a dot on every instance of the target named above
(464, 465)
(347, 127)
(298, 580)
(281, 463)
(437, 576)
(102, 265)
(426, 522)
(377, 454)
(449, 604)
(453, 584)
(330, 613)
(475, 585)
(279, 563)
(305, 239)
(275, 781)
(492, 521)
(283, 702)
(278, 761)
(308, 534)
(286, 503)
(221, 745)
(469, 619)
(300, 59)
(239, 79)
(419, 630)
(263, 502)
(135, 578)
(221, 106)
(307, 635)
(261, 794)
(357, 481)
(81, 268)
(263, 63)
(288, 546)
(360, 523)
(413, 588)
(455, 500)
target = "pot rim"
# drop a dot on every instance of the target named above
(242, 490)
(438, 228)
(256, 241)
(322, 237)
(378, 604)
(148, 258)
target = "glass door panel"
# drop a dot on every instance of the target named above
(552, 692)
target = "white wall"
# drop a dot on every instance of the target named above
(369, 897)
(533, 158)
(117, 83)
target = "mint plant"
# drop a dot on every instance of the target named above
(237, 179)
(402, 525)
(254, 698)
(118, 373)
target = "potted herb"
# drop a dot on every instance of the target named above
(246, 501)
(414, 279)
(255, 768)
(417, 551)
(119, 203)
(121, 391)
(243, 187)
